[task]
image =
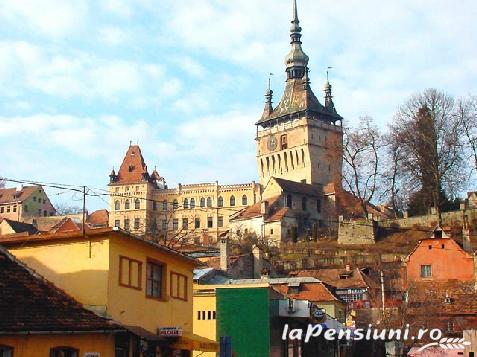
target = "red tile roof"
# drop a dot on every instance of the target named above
(255, 210)
(10, 195)
(90, 233)
(133, 168)
(29, 302)
(99, 218)
(355, 279)
(315, 292)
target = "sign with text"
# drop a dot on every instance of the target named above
(92, 354)
(170, 331)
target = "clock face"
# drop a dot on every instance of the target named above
(272, 143)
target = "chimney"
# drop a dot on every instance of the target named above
(257, 261)
(224, 253)
(264, 208)
(466, 239)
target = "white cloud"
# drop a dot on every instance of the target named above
(118, 7)
(55, 18)
(112, 36)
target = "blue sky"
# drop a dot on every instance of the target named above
(186, 79)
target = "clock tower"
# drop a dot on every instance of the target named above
(300, 139)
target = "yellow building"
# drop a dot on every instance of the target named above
(141, 203)
(144, 286)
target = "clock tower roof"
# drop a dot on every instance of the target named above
(298, 97)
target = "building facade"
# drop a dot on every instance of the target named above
(142, 203)
(25, 202)
(300, 139)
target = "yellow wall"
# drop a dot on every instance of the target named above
(131, 306)
(205, 328)
(39, 345)
(67, 264)
(95, 281)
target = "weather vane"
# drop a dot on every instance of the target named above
(269, 79)
(327, 70)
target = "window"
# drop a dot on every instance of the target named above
(117, 206)
(164, 205)
(185, 223)
(178, 286)
(130, 271)
(220, 202)
(64, 352)
(232, 201)
(126, 224)
(154, 205)
(154, 279)
(186, 203)
(197, 223)
(209, 201)
(117, 223)
(210, 222)
(244, 200)
(271, 231)
(136, 223)
(2, 209)
(175, 224)
(8, 210)
(175, 204)
(126, 204)
(45, 213)
(202, 202)
(6, 351)
(303, 203)
(15, 208)
(318, 205)
(34, 198)
(137, 203)
(220, 221)
(426, 271)
(164, 225)
(289, 201)
(192, 203)
(283, 142)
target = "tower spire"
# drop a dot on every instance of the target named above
(268, 109)
(296, 60)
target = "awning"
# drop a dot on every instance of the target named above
(191, 342)
(143, 333)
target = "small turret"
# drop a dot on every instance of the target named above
(268, 109)
(112, 176)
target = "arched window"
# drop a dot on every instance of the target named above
(232, 201)
(209, 201)
(244, 200)
(126, 204)
(202, 202)
(186, 203)
(117, 205)
(220, 202)
(175, 204)
(164, 205)
(192, 203)
(64, 351)
(137, 203)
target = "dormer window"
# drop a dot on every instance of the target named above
(131, 168)
(293, 288)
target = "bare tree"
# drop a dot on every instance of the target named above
(361, 171)
(466, 113)
(63, 209)
(427, 131)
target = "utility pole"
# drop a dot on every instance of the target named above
(382, 291)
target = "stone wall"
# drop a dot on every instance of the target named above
(356, 231)
(454, 218)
